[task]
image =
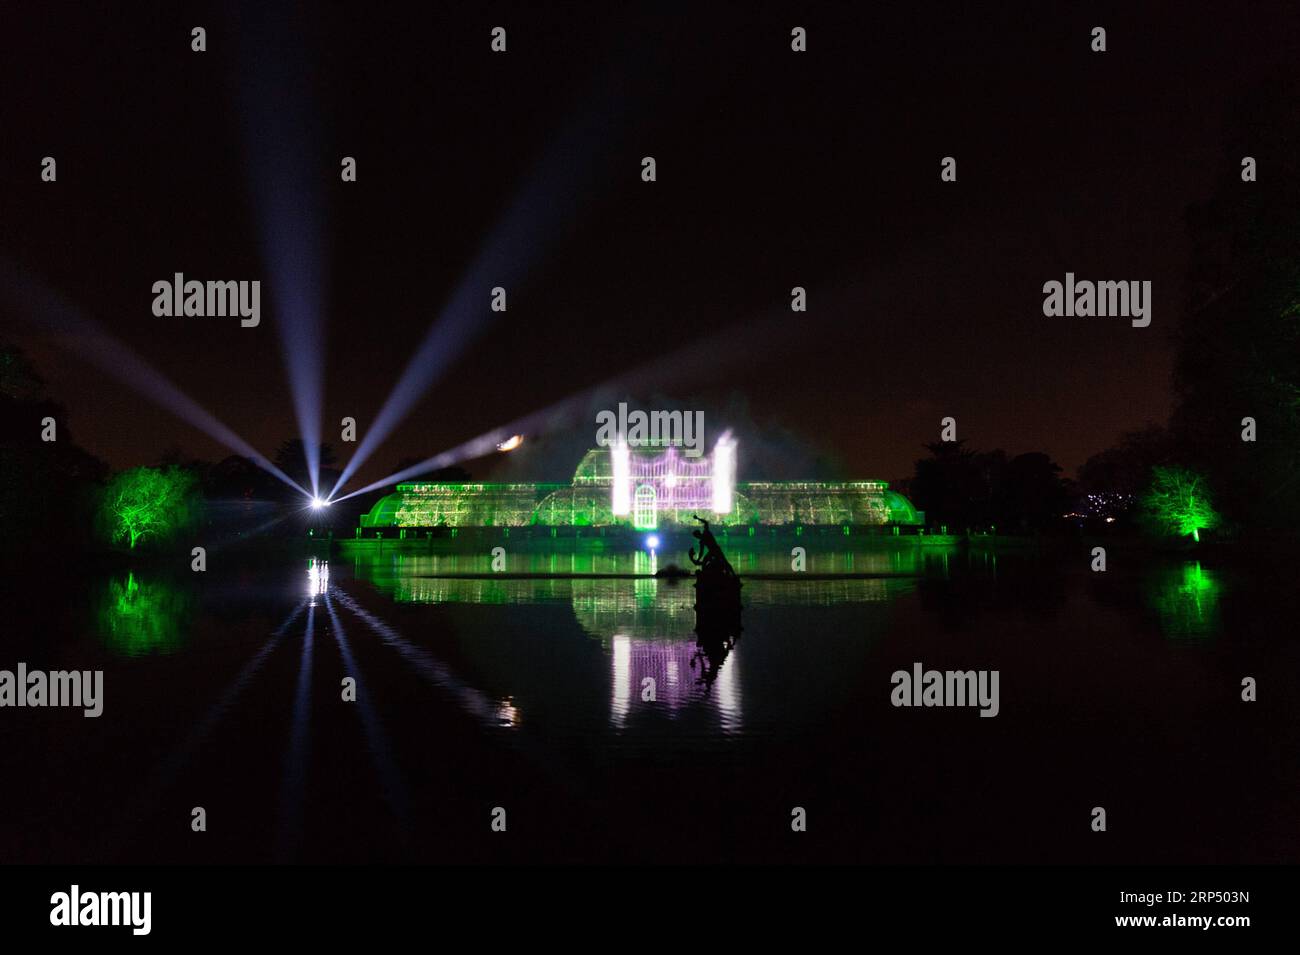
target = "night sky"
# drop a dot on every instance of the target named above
(775, 169)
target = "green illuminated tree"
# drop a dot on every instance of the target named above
(149, 504)
(1179, 501)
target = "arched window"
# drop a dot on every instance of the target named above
(645, 513)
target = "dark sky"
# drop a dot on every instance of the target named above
(775, 169)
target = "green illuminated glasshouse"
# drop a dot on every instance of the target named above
(645, 490)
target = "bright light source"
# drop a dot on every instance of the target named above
(652, 542)
(622, 466)
(317, 503)
(724, 473)
(511, 443)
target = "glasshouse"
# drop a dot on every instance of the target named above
(644, 490)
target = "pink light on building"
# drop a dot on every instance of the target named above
(666, 484)
(680, 484)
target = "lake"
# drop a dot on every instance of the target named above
(579, 711)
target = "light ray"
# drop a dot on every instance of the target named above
(92, 343)
(705, 357)
(558, 188)
(278, 122)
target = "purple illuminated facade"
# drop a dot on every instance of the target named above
(647, 485)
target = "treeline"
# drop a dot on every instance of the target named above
(48, 484)
(58, 499)
(967, 490)
(1228, 459)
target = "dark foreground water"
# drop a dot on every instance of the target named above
(1119, 690)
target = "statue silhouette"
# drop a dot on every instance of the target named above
(711, 560)
(717, 604)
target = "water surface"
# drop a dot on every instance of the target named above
(226, 692)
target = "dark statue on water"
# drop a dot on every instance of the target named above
(717, 603)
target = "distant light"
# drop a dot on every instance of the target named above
(317, 503)
(506, 714)
(652, 542)
(511, 443)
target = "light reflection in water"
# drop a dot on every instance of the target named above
(377, 743)
(1187, 600)
(645, 624)
(665, 661)
(604, 606)
(167, 772)
(318, 577)
(294, 779)
(494, 713)
(414, 559)
(138, 617)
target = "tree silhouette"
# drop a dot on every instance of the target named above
(291, 458)
(1239, 340)
(963, 489)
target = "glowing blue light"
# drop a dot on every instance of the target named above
(317, 503)
(652, 542)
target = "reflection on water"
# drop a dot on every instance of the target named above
(318, 577)
(294, 778)
(645, 602)
(644, 609)
(489, 712)
(1187, 600)
(651, 604)
(679, 681)
(910, 557)
(598, 690)
(137, 616)
(645, 625)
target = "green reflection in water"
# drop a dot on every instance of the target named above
(397, 561)
(444, 574)
(645, 608)
(141, 617)
(1187, 600)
